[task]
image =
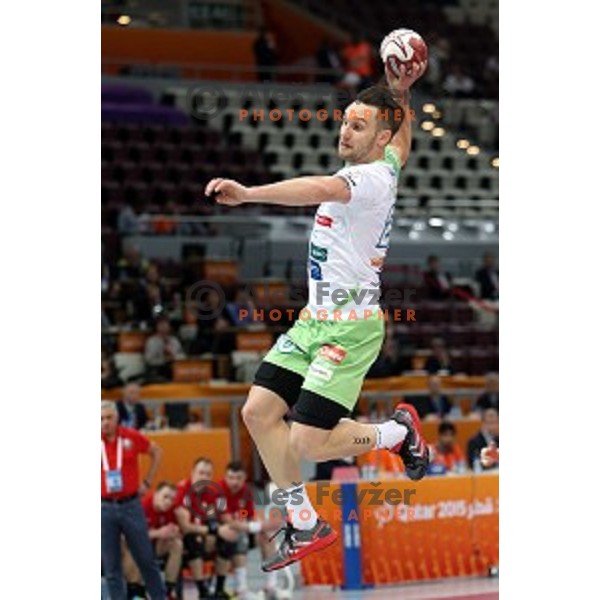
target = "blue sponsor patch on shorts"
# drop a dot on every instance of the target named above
(315, 270)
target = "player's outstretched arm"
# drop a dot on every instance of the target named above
(401, 142)
(301, 191)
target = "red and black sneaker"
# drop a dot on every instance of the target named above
(413, 450)
(298, 543)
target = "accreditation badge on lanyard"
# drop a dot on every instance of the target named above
(113, 477)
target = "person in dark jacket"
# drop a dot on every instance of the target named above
(438, 285)
(488, 279)
(490, 432)
(491, 396)
(435, 404)
(132, 414)
(439, 361)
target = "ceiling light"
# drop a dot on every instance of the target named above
(496, 162)
(438, 132)
(427, 125)
(473, 150)
(462, 144)
(436, 222)
(124, 20)
(429, 108)
(448, 235)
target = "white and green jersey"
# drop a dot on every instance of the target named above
(349, 242)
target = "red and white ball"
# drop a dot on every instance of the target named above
(402, 47)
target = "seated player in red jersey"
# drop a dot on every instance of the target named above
(196, 516)
(165, 536)
(236, 508)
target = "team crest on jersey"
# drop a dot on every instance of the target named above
(285, 344)
(335, 354)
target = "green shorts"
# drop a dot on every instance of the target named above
(333, 357)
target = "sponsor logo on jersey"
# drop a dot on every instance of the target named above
(315, 270)
(320, 371)
(318, 252)
(324, 221)
(335, 354)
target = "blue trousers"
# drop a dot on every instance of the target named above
(128, 519)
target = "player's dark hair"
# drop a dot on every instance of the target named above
(389, 108)
(202, 459)
(165, 484)
(236, 466)
(446, 427)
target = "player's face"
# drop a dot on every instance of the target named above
(164, 498)
(203, 471)
(108, 421)
(491, 422)
(361, 136)
(235, 480)
(447, 440)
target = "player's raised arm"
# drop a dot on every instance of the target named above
(301, 191)
(401, 142)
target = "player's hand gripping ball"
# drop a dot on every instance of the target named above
(401, 51)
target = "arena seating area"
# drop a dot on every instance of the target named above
(158, 160)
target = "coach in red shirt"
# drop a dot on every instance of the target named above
(122, 512)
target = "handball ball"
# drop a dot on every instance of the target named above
(402, 47)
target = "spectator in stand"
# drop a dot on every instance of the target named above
(132, 265)
(329, 58)
(458, 84)
(161, 350)
(389, 362)
(238, 511)
(197, 517)
(435, 405)
(358, 61)
(488, 278)
(491, 397)
(437, 283)
(447, 452)
(213, 322)
(490, 432)
(131, 412)
(121, 511)
(127, 221)
(166, 538)
(265, 54)
(242, 301)
(439, 361)
(109, 377)
(188, 330)
(439, 52)
(490, 74)
(150, 295)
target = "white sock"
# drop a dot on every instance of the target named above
(271, 580)
(241, 579)
(389, 434)
(302, 514)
